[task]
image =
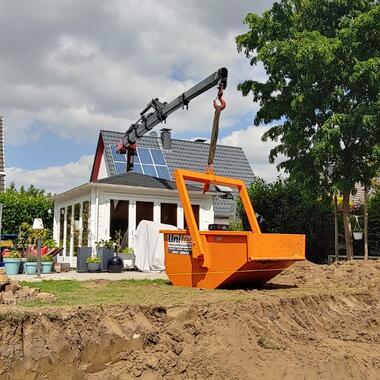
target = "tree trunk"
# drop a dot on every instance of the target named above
(365, 223)
(347, 225)
(336, 237)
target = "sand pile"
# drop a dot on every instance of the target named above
(11, 293)
(317, 330)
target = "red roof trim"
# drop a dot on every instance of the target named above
(97, 159)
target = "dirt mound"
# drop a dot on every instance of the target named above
(352, 274)
(11, 293)
(319, 333)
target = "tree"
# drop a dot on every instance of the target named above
(322, 59)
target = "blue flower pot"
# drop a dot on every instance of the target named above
(46, 266)
(12, 266)
(30, 267)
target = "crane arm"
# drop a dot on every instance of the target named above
(160, 111)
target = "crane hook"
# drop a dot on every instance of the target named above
(220, 98)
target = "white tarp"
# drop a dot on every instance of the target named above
(148, 246)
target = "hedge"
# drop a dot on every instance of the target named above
(19, 207)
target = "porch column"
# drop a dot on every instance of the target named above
(131, 221)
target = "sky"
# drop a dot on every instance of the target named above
(70, 68)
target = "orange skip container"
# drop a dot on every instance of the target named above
(222, 259)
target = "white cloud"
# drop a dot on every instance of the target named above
(77, 66)
(256, 150)
(53, 179)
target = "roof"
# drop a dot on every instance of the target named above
(230, 161)
(142, 180)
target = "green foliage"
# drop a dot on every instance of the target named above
(127, 250)
(23, 206)
(322, 59)
(46, 259)
(374, 223)
(288, 208)
(93, 260)
(109, 244)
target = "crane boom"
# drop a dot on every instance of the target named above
(160, 111)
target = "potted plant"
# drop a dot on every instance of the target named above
(104, 250)
(11, 261)
(30, 264)
(46, 264)
(128, 257)
(357, 230)
(93, 264)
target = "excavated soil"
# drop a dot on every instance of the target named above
(312, 322)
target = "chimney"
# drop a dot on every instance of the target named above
(166, 138)
(2, 163)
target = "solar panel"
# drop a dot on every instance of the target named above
(163, 172)
(158, 157)
(150, 170)
(121, 167)
(145, 156)
(117, 156)
(148, 161)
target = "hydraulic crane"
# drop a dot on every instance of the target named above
(213, 259)
(160, 111)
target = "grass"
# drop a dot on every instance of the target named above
(157, 292)
(132, 292)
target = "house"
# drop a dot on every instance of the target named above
(115, 201)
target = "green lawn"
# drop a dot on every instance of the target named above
(133, 292)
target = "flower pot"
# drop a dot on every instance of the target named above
(46, 266)
(358, 235)
(30, 267)
(128, 260)
(12, 266)
(93, 267)
(105, 254)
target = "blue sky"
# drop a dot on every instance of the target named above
(69, 69)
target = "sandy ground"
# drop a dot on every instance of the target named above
(311, 322)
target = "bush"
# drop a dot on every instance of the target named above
(23, 206)
(287, 208)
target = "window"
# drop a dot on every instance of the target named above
(169, 213)
(196, 216)
(144, 211)
(119, 221)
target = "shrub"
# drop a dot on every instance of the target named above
(23, 206)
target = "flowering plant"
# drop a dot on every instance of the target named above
(13, 254)
(93, 260)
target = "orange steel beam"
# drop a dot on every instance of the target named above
(181, 175)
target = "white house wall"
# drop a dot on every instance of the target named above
(99, 219)
(206, 211)
(102, 169)
(57, 207)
